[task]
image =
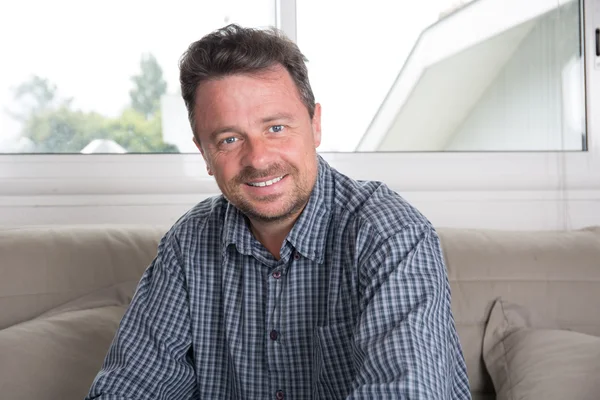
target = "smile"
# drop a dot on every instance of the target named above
(266, 183)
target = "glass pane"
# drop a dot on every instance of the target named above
(102, 77)
(446, 75)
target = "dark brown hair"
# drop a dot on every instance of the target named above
(236, 50)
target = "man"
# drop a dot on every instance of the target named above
(298, 282)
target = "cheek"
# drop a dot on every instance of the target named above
(225, 169)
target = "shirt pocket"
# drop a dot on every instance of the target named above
(333, 361)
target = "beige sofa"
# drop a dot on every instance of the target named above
(63, 291)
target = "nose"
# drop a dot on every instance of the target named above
(257, 153)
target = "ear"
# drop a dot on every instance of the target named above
(197, 143)
(316, 125)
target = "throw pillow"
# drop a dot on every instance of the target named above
(528, 363)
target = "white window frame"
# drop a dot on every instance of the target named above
(72, 180)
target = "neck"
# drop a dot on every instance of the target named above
(272, 234)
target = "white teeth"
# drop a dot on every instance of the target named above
(267, 183)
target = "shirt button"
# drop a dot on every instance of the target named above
(279, 395)
(277, 274)
(274, 335)
(296, 256)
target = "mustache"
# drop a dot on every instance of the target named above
(250, 173)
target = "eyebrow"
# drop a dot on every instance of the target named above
(278, 117)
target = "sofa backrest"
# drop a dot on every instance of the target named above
(555, 275)
(41, 268)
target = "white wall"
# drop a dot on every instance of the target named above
(475, 190)
(531, 103)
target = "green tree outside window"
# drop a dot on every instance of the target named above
(54, 126)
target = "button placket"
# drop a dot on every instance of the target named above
(275, 349)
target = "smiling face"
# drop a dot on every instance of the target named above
(259, 142)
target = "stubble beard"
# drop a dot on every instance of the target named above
(297, 199)
(292, 207)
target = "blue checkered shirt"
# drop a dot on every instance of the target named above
(358, 307)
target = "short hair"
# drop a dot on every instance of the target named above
(237, 50)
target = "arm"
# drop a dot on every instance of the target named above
(406, 342)
(149, 356)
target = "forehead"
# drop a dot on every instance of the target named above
(238, 98)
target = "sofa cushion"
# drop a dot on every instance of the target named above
(555, 274)
(57, 355)
(531, 363)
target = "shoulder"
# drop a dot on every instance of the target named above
(199, 220)
(373, 206)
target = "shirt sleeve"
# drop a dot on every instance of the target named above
(149, 357)
(405, 342)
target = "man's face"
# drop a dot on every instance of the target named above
(259, 142)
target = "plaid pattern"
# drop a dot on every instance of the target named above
(358, 307)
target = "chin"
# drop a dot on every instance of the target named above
(267, 215)
(278, 208)
(270, 212)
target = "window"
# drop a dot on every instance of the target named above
(447, 75)
(442, 75)
(102, 77)
(492, 189)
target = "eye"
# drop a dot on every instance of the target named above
(229, 140)
(276, 128)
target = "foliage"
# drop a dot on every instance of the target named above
(138, 134)
(54, 126)
(149, 85)
(36, 95)
(62, 130)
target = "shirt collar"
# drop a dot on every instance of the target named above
(309, 233)
(236, 230)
